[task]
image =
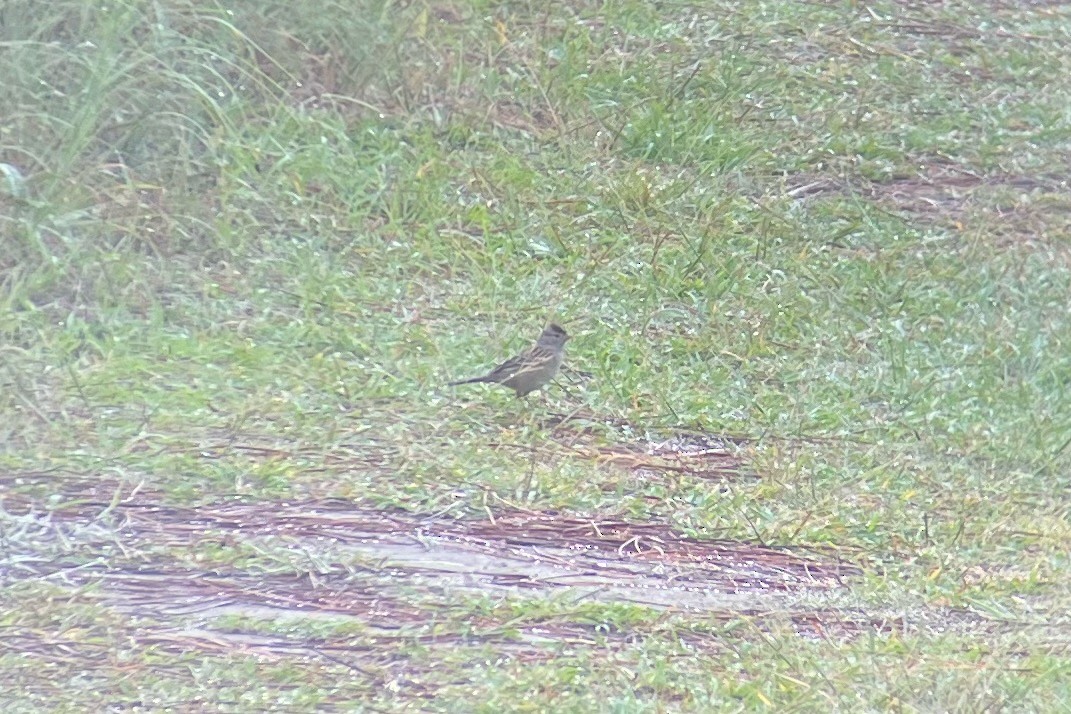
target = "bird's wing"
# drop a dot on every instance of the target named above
(509, 368)
(534, 360)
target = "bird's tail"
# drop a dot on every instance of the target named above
(467, 381)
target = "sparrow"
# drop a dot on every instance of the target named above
(531, 369)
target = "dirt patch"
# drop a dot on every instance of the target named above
(522, 549)
(700, 457)
(600, 558)
(938, 189)
(382, 581)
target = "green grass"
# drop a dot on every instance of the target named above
(254, 243)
